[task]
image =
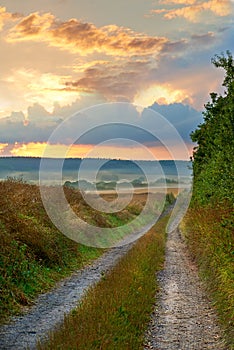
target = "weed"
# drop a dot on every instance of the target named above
(209, 235)
(34, 254)
(115, 313)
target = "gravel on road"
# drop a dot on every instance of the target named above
(183, 317)
(24, 331)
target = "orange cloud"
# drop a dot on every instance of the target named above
(84, 38)
(34, 24)
(36, 149)
(31, 86)
(6, 16)
(162, 94)
(122, 65)
(115, 80)
(177, 2)
(138, 81)
(195, 8)
(2, 147)
(162, 153)
(32, 149)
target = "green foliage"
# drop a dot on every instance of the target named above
(209, 233)
(213, 165)
(170, 199)
(209, 223)
(115, 312)
(34, 254)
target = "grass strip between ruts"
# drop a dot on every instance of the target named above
(115, 312)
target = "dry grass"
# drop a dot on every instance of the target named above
(210, 237)
(115, 313)
(34, 254)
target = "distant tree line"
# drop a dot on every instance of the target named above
(111, 185)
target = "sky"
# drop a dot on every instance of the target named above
(59, 57)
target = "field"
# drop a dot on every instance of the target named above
(34, 254)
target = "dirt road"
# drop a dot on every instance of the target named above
(50, 308)
(183, 317)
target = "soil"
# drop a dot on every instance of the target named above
(183, 317)
(24, 331)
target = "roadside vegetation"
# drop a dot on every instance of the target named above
(114, 314)
(34, 254)
(209, 223)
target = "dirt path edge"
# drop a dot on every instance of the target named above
(183, 317)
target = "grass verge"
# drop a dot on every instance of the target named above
(34, 254)
(210, 238)
(115, 313)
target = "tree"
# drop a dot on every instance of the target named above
(213, 158)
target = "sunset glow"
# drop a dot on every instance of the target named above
(58, 60)
(82, 151)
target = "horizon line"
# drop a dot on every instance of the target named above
(93, 158)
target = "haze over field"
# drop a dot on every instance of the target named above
(97, 170)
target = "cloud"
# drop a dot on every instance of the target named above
(99, 64)
(177, 2)
(105, 151)
(183, 117)
(3, 146)
(84, 38)
(192, 75)
(193, 9)
(7, 17)
(142, 81)
(204, 39)
(183, 2)
(41, 124)
(176, 46)
(36, 128)
(37, 149)
(161, 93)
(31, 86)
(115, 80)
(33, 25)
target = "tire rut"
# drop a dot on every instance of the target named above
(183, 317)
(24, 331)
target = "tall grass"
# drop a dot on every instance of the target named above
(115, 313)
(34, 254)
(210, 238)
